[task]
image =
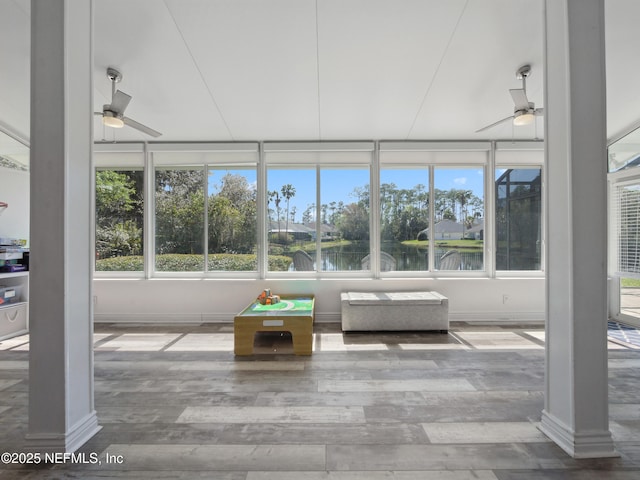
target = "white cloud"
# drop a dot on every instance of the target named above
(460, 181)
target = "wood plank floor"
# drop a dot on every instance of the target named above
(175, 403)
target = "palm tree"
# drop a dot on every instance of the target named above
(275, 196)
(463, 196)
(288, 191)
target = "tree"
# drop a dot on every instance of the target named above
(288, 192)
(119, 215)
(275, 196)
(232, 216)
(353, 224)
(180, 211)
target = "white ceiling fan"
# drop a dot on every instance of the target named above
(113, 113)
(524, 111)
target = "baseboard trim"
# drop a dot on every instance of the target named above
(588, 444)
(324, 317)
(67, 442)
(188, 318)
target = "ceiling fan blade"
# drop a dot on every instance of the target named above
(119, 102)
(495, 124)
(141, 127)
(519, 98)
(538, 111)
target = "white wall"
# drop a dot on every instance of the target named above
(14, 189)
(218, 300)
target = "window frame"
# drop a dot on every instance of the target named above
(319, 155)
(374, 154)
(520, 155)
(438, 155)
(109, 156)
(200, 155)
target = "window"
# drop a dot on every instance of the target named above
(518, 207)
(344, 218)
(318, 206)
(404, 218)
(218, 209)
(119, 220)
(292, 214)
(458, 229)
(179, 219)
(232, 219)
(518, 218)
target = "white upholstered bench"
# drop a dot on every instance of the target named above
(371, 311)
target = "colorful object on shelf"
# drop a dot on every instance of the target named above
(267, 298)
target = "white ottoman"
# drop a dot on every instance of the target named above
(371, 311)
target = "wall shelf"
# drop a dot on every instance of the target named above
(14, 317)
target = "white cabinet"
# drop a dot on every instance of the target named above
(14, 310)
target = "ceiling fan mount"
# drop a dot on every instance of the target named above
(113, 113)
(114, 75)
(523, 72)
(524, 111)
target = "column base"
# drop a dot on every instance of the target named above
(589, 444)
(64, 442)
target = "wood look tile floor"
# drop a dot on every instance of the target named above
(175, 403)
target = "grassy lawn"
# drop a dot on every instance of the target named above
(460, 244)
(629, 282)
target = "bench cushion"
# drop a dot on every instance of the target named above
(394, 298)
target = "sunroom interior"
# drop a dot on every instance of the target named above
(347, 130)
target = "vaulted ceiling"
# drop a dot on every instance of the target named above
(224, 70)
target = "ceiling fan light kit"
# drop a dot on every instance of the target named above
(524, 111)
(111, 120)
(523, 118)
(113, 113)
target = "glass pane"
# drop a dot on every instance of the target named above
(518, 218)
(179, 198)
(232, 219)
(404, 218)
(458, 232)
(625, 153)
(119, 220)
(291, 195)
(630, 297)
(344, 216)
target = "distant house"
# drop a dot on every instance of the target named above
(327, 232)
(443, 230)
(450, 230)
(298, 230)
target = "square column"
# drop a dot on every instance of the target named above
(576, 414)
(61, 407)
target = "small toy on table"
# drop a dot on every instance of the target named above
(266, 298)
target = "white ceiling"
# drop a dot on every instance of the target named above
(220, 70)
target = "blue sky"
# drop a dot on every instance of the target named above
(338, 184)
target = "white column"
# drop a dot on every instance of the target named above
(61, 408)
(576, 414)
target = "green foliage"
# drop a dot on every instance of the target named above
(133, 263)
(118, 213)
(353, 223)
(193, 263)
(118, 239)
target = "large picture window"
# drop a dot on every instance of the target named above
(404, 218)
(325, 208)
(119, 217)
(292, 217)
(232, 220)
(179, 219)
(344, 218)
(518, 218)
(458, 230)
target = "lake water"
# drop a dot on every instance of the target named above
(408, 257)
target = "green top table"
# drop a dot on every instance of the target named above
(294, 314)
